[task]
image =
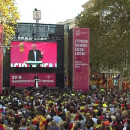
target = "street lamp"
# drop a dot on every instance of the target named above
(37, 17)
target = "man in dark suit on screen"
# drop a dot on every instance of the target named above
(34, 54)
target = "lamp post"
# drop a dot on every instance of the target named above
(37, 17)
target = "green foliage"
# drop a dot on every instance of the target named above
(8, 17)
(109, 23)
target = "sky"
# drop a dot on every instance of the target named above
(52, 11)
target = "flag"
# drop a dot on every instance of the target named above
(102, 81)
(41, 120)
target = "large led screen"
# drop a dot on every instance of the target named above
(33, 54)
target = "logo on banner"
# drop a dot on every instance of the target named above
(21, 44)
(78, 32)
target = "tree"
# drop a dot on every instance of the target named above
(109, 23)
(8, 17)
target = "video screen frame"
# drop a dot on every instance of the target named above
(21, 51)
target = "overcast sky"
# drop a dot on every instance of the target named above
(52, 11)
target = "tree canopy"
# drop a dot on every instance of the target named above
(8, 17)
(109, 23)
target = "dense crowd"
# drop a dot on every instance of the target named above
(31, 109)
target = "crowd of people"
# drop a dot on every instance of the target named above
(44, 109)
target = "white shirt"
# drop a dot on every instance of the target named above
(35, 55)
(95, 120)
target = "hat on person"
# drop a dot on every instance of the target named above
(104, 105)
(82, 107)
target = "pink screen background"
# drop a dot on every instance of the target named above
(49, 49)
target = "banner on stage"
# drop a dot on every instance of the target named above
(81, 59)
(27, 79)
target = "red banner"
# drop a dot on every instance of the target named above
(27, 79)
(1, 58)
(81, 59)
